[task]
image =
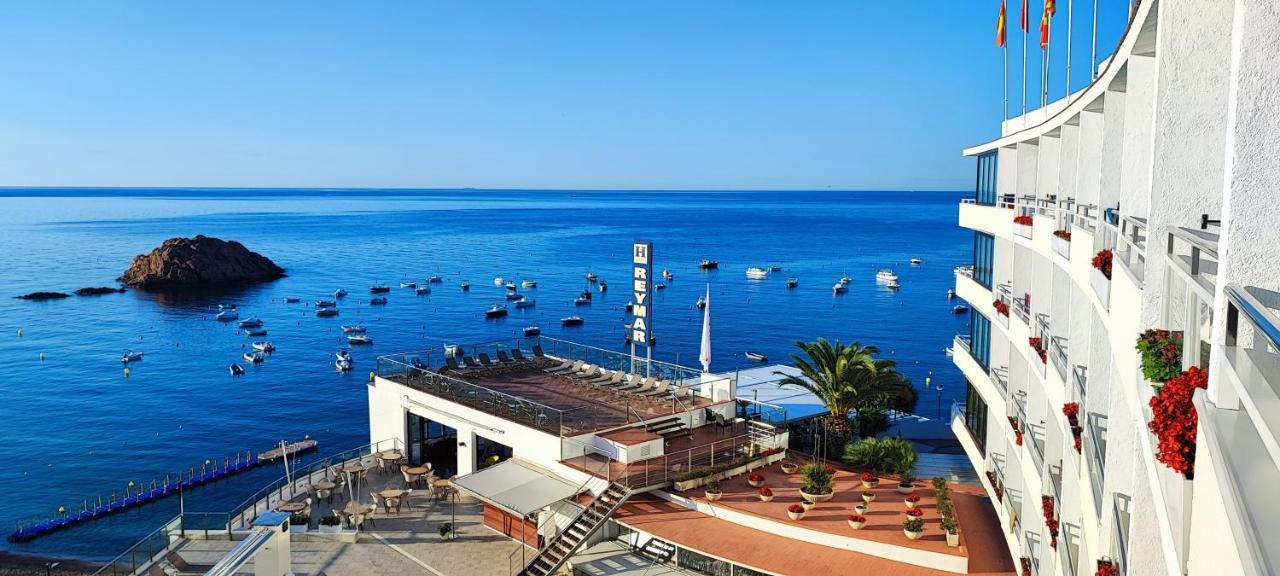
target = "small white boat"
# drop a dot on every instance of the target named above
(702, 303)
(326, 312)
(510, 285)
(422, 290)
(495, 311)
(264, 347)
(580, 301)
(339, 293)
(226, 313)
(354, 329)
(251, 323)
(585, 294)
(379, 289)
(465, 286)
(343, 361)
(292, 299)
(524, 302)
(252, 332)
(959, 309)
(604, 286)
(667, 275)
(845, 280)
(435, 280)
(408, 284)
(499, 281)
(839, 288)
(885, 275)
(452, 350)
(532, 330)
(131, 356)
(359, 339)
(253, 357)
(660, 286)
(892, 285)
(591, 277)
(792, 282)
(706, 264)
(757, 273)
(377, 301)
(571, 321)
(513, 295)
(775, 268)
(529, 283)
(951, 293)
(916, 261)
(326, 303)
(235, 370)
(756, 357)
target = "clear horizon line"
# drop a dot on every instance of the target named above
(478, 189)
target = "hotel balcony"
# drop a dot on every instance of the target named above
(995, 219)
(1239, 440)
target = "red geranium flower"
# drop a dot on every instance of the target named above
(1102, 261)
(913, 498)
(868, 477)
(857, 518)
(755, 477)
(765, 491)
(795, 509)
(1174, 419)
(915, 513)
(1023, 220)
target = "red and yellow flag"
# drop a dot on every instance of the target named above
(1026, 25)
(1051, 7)
(1000, 27)
(1044, 25)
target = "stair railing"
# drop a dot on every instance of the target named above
(512, 566)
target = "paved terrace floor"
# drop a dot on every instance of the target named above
(705, 445)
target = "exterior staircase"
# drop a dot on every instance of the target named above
(657, 551)
(556, 552)
(760, 433)
(668, 427)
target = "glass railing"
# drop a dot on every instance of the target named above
(965, 270)
(147, 551)
(1096, 455)
(1001, 377)
(1022, 310)
(1036, 432)
(1086, 216)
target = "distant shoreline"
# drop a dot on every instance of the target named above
(12, 564)
(188, 191)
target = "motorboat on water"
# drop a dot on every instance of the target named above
(339, 293)
(591, 277)
(326, 303)
(495, 311)
(756, 357)
(585, 294)
(706, 264)
(254, 357)
(465, 286)
(264, 347)
(408, 284)
(326, 312)
(343, 361)
(959, 309)
(226, 313)
(892, 285)
(379, 289)
(571, 321)
(660, 286)
(131, 356)
(513, 295)
(499, 281)
(951, 293)
(422, 290)
(532, 331)
(435, 279)
(511, 285)
(916, 261)
(235, 370)
(292, 299)
(251, 323)
(377, 301)
(580, 301)
(845, 280)
(792, 282)
(525, 302)
(757, 273)
(354, 329)
(357, 339)
(702, 303)
(839, 288)
(775, 268)
(885, 275)
(604, 286)
(667, 275)
(529, 283)
(253, 332)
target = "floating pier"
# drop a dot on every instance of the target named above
(208, 472)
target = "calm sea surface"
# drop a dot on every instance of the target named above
(74, 427)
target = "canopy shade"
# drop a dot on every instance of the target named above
(762, 385)
(516, 487)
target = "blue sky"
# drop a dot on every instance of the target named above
(647, 95)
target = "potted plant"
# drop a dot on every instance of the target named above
(953, 531)
(808, 504)
(766, 495)
(860, 508)
(913, 528)
(914, 513)
(755, 479)
(869, 480)
(713, 490)
(817, 482)
(1107, 568)
(1102, 262)
(857, 521)
(330, 523)
(912, 500)
(789, 465)
(868, 496)
(299, 522)
(796, 511)
(445, 530)
(906, 484)
(1023, 220)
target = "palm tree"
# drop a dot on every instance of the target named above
(847, 378)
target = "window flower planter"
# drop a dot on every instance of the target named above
(1037, 344)
(1102, 262)
(1174, 419)
(869, 480)
(755, 479)
(1050, 519)
(1161, 352)
(1001, 308)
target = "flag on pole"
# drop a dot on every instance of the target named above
(1000, 27)
(1026, 25)
(1051, 7)
(1044, 25)
(705, 355)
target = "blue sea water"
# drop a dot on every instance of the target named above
(74, 427)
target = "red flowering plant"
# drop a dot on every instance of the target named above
(913, 498)
(1037, 344)
(1174, 419)
(1063, 234)
(1050, 521)
(995, 485)
(1107, 568)
(1071, 410)
(914, 512)
(1161, 352)
(1102, 261)
(1077, 443)
(1017, 430)
(868, 477)
(755, 477)
(857, 518)
(765, 491)
(1001, 308)
(1026, 565)
(1024, 220)
(796, 509)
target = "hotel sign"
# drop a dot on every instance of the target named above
(641, 291)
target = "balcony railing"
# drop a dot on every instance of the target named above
(1036, 433)
(1096, 454)
(1001, 377)
(1195, 253)
(1085, 216)
(1058, 352)
(1022, 309)
(1080, 375)
(965, 270)
(1131, 250)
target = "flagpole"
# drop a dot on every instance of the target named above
(1093, 51)
(1069, 3)
(1005, 50)
(1024, 64)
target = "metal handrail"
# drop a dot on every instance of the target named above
(165, 531)
(1080, 376)
(591, 477)
(1262, 318)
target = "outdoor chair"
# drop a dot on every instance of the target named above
(631, 383)
(503, 358)
(326, 495)
(568, 367)
(469, 362)
(177, 562)
(602, 376)
(722, 423)
(378, 501)
(485, 361)
(451, 363)
(441, 370)
(657, 387)
(518, 356)
(537, 351)
(587, 371)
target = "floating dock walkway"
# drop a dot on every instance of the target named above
(208, 472)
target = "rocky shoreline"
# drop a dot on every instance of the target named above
(28, 565)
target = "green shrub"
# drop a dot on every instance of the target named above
(913, 525)
(882, 455)
(1161, 352)
(330, 519)
(817, 478)
(713, 487)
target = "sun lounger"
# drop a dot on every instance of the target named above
(469, 362)
(537, 351)
(485, 361)
(517, 355)
(656, 387)
(631, 383)
(567, 367)
(503, 358)
(452, 363)
(603, 376)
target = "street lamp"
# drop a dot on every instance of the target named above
(49, 566)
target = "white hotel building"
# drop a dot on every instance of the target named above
(1170, 158)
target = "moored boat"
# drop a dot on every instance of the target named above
(756, 357)
(435, 279)
(254, 357)
(959, 309)
(591, 277)
(916, 261)
(264, 347)
(325, 303)
(251, 323)
(571, 321)
(706, 264)
(292, 299)
(377, 301)
(792, 282)
(839, 288)
(235, 369)
(226, 313)
(525, 302)
(326, 312)
(343, 361)
(339, 293)
(604, 286)
(757, 273)
(379, 289)
(529, 283)
(251, 332)
(354, 329)
(667, 275)
(131, 356)
(702, 303)
(408, 284)
(359, 339)
(951, 293)
(580, 301)
(465, 286)
(499, 281)
(422, 290)
(532, 330)
(495, 311)
(885, 275)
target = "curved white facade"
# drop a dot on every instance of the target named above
(1171, 159)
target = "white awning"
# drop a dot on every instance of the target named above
(516, 487)
(763, 385)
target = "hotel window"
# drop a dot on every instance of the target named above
(975, 417)
(1120, 534)
(983, 258)
(980, 340)
(985, 190)
(1069, 548)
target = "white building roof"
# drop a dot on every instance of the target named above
(517, 487)
(763, 385)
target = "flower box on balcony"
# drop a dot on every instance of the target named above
(1101, 287)
(1061, 243)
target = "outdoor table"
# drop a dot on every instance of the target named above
(442, 486)
(292, 507)
(392, 493)
(418, 470)
(326, 485)
(352, 509)
(354, 468)
(390, 455)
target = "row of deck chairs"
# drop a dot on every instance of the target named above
(482, 361)
(618, 380)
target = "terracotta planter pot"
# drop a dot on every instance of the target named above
(795, 515)
(913, 535)
(905, 490)
(868, 497)
(856, 525)
(764, 498)
(790, 468)
(713, 496)
(817, 497)
(953, 539)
